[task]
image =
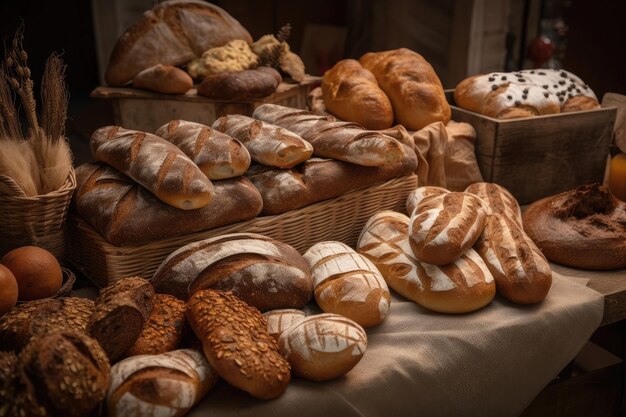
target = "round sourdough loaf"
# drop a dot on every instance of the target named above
(347, 283)
(444, 227)
(280, 320)
(463, 286)
(323, 347)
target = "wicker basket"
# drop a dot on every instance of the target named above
(339, 219)
(38, 220)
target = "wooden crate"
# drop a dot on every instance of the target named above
(147, 111)
(539, 156)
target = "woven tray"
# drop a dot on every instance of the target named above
(339, 219)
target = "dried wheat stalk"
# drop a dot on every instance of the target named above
(54, 99)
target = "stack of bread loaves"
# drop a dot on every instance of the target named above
(456, 248)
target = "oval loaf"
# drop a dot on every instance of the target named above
(421, 193)
(497, 199)
(280, 320)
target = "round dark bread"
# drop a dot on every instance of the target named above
(240, 85)
(582, 228)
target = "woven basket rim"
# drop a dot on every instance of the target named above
(68, 187)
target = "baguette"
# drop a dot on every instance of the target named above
(268, 144)
(497, 199)
(334, 139)
(217, 155)
(155, 164)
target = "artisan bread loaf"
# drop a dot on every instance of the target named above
(443, 227)
(155, 164)
(169, 384)
(421, 193)
(218, 156)
(268, 144)
(462, 286)
(237, 345)
(165, 79)
(582, 228)
(320, 179)
(121, 311)
(331, 138)
(521, 271)
(263, 272)
(323, 347)
(415, 91)
(43, 316)
(240, 85)
(280, 320)
(352, 94)
(508, 95)
(125, 213)
(497, 199)
(347, 283)
(164, 329)
(173, 32)
(68, 370)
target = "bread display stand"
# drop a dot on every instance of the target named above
(539, 156)
(147, 111)
(341, 219)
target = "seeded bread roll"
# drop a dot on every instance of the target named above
(323, 347)
(421, 193)
(263, 272)
(280, 320)
(165, 328)
(443, 227)
(69, 370)
(165, 79)
(17, 394)
(218, 156)
(121, 312)
(42, 316)
(497, 199)
(169, 384)
(155, 164)
(460, 287)
(237, 345)
(347, 283)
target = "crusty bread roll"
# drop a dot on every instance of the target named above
(323, 347)
(280, 320)
(268, 144)
(121, 311)
(69, 370)
(241, 85)
(352, 94)
(8, 290)
(166, 79)
(43, 316)
(347, 283)
(237, 345)
(582, 228)
(443, 227)
(263, 272)
(125, 213)
(497, 199)
(218, 156)
(415, 91)
(169, 384)
(331, 138)
(460, 287)
(172, 32)
(319, 179)
(521, 271)
(508, 95)
(164, 329)
(155, 164)
(420, 194)
(36, 271)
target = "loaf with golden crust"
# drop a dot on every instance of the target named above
(165, 79)
(352, 94)
(509, 95)
(497, 199)
(415, 91)
(280, 320)
(422, 193)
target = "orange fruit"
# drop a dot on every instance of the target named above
(8, 290)
(37, 272)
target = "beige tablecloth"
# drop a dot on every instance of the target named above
(489, 363)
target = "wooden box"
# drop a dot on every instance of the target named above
(539, 156)
(147, 111)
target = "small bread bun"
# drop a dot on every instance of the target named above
(8, 290)
(280, 320)
(37, 272)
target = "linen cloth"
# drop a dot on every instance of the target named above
(492, 362)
